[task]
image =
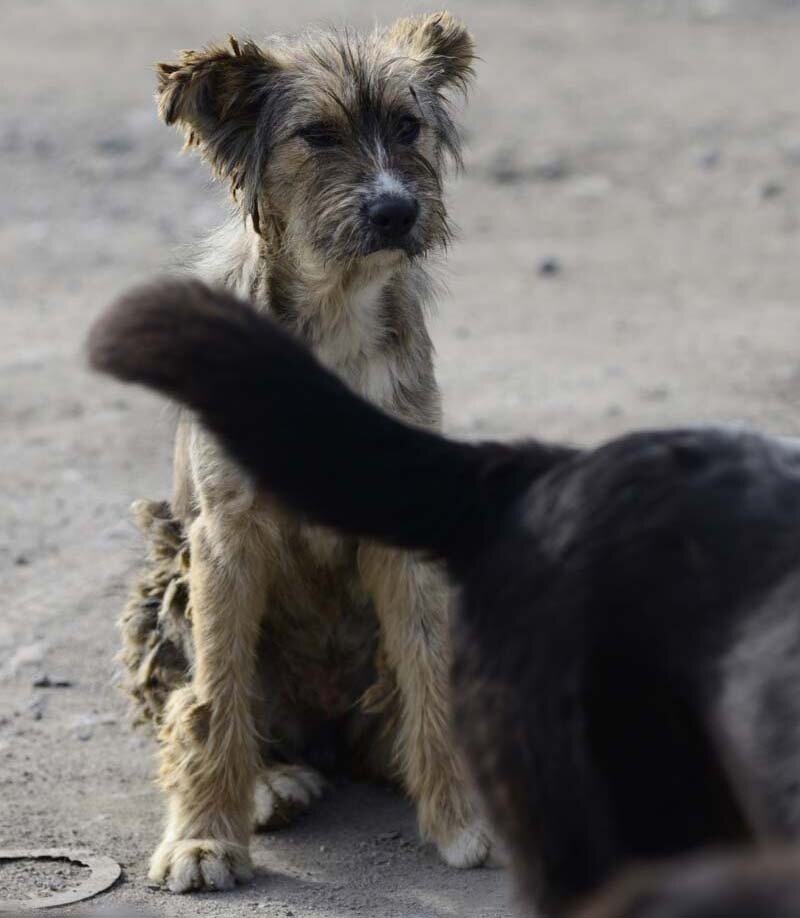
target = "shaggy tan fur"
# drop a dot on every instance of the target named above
(288, 634)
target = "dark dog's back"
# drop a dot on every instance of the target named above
(602, 644)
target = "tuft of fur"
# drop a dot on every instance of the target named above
(156, 622)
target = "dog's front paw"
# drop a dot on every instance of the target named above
(200, 864)
(283, 792)
(470, 846)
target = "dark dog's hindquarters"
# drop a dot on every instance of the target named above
(611, 689)
(651, 588)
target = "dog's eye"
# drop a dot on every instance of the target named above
(319, 136)
(407, 129)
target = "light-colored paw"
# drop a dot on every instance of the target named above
(200, 864)
(469, 847)
(283, 792)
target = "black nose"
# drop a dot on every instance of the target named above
(393, 216)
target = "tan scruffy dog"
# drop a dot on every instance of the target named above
(255, 639)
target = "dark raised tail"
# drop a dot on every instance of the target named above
(323, 451)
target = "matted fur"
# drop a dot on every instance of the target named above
(156, 630)
(303, 648)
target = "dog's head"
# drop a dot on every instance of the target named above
(335, 142)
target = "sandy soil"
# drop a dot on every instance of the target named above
(628, 252)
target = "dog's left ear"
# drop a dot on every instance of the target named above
(442, 46)
(222, 98)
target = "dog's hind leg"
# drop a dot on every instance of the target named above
(411, 600)
(210, 752)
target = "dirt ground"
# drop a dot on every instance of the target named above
(628, 256)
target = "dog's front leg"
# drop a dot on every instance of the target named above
(411, 600)
(209, 756)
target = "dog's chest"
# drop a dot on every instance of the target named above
(349, 334)
(321, 622)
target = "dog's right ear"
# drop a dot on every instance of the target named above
(222, 98)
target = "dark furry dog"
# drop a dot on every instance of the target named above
(625, 681)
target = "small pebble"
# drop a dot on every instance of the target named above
(503, 169)
(46, 681)
(37, 708)
(771, 190)
(549, 267)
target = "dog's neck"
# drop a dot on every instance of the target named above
(342, 312)
(339, 311)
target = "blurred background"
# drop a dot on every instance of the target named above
(627, 256)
